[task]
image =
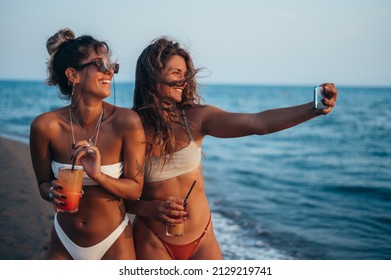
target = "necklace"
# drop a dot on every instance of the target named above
(97, 127)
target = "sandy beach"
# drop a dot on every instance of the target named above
(25, 218)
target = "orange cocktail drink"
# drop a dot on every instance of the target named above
(71, 181)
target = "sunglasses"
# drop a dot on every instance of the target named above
(103, 66)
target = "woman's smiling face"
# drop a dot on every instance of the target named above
(174, 71)
(96, 80)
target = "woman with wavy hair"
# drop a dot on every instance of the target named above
(175, 124)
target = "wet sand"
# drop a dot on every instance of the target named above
(25, 218)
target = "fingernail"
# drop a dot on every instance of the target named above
(63, 196)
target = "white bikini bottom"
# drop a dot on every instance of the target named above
(94, 252)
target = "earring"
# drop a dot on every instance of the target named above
(73, 89)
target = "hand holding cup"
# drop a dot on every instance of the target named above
(176, 222)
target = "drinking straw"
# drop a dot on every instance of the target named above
(187, 196)
(73, 163)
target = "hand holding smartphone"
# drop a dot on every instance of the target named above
(319, 94)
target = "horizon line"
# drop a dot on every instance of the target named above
(260, 84)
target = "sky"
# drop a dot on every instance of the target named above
(277, 42)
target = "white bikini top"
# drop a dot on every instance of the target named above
(183, 161)
(113, 170)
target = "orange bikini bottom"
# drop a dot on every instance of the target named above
(180, 251)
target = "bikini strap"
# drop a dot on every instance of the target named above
(187, 124)
(207, 226)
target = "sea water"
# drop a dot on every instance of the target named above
(320, 190)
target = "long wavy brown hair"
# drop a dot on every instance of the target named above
(157, 113)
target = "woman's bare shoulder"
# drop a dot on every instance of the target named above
(48, 119)
(127, 117)
(202, 110)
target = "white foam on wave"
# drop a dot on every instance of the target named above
(236, 244)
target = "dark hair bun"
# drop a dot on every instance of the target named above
(57, 39)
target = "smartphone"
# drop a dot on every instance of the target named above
(318, 97)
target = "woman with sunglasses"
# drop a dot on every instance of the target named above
(175, 125)
(107, 141)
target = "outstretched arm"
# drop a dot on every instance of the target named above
(219, 123)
